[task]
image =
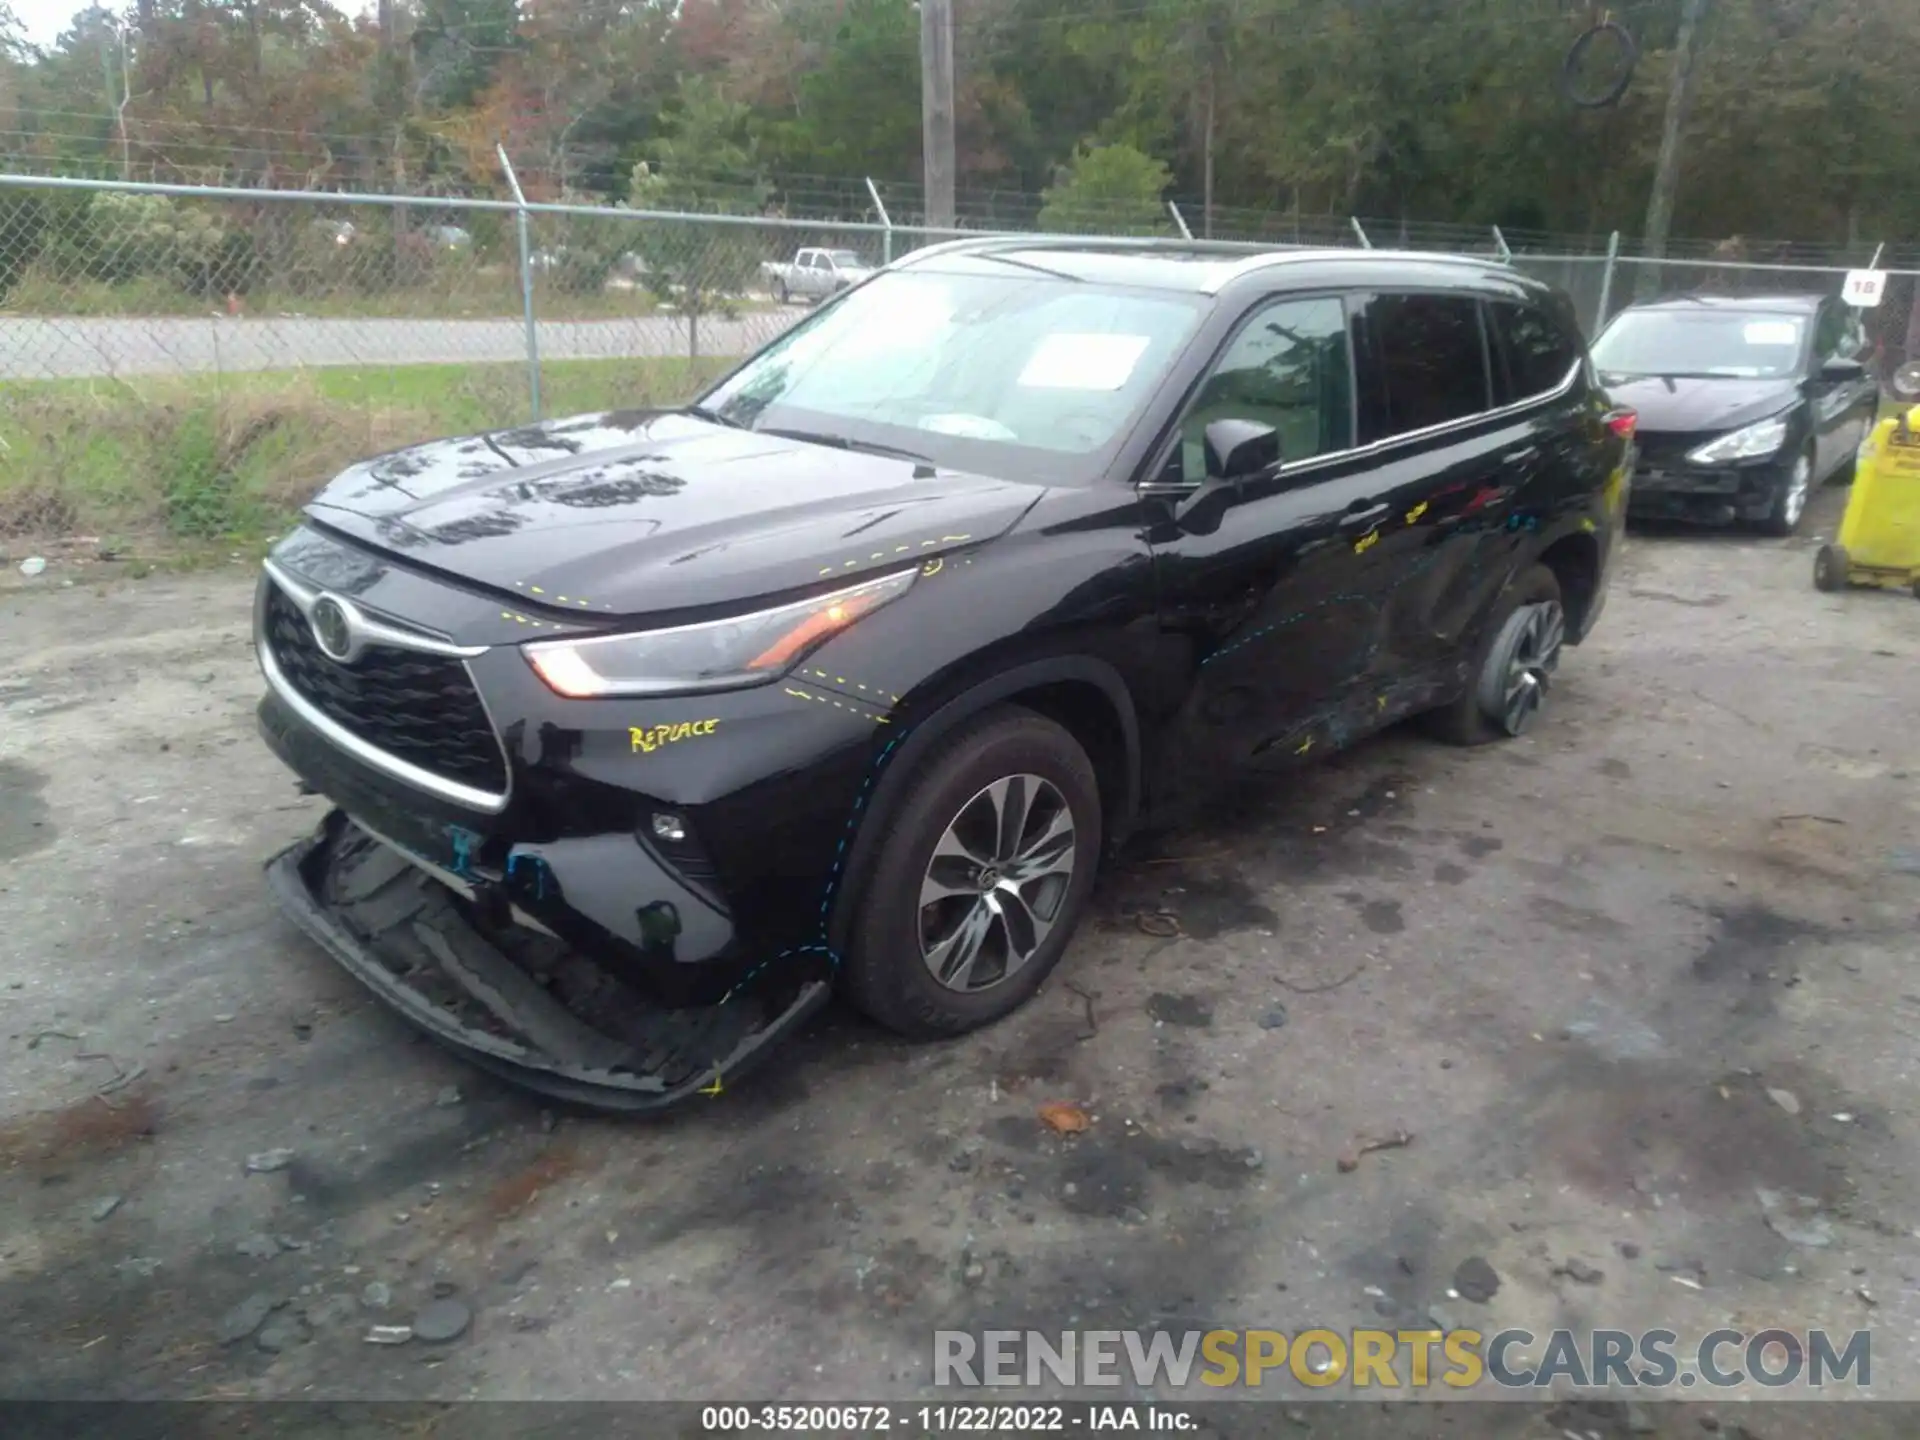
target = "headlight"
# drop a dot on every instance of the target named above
(718, 655)
(1749, 444)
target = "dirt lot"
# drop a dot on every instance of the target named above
(1638, 987)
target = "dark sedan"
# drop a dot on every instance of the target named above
(1747, 404)
(646, 729)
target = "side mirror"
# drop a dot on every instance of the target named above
(1843, 371)
(1236, 449)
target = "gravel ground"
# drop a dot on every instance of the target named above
(1637, 986)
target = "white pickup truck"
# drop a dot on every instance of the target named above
(815, 274)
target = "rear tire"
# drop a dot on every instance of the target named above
(1830, 566)
(780, 295)
(1474, 719)
(1009, 795)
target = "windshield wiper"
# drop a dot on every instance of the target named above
(845, 442)
(715, 417)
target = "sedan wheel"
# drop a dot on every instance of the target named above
(1791, 502)
(1520, 670)
(996, 883)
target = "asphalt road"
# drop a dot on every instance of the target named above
(56, 348)
(1639, 988)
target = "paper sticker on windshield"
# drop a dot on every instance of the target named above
(1083, 362)
(1771, 332)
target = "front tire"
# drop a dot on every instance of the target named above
(1513, 665)
(985, 869)
(1790, 500)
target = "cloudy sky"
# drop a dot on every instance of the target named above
(43, 20)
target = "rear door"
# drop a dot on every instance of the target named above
(1447, 470)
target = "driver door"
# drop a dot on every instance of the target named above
(1843, 409)
(1268, 587)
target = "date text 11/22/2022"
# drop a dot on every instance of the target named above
(945, 1419)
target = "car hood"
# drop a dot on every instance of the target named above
(1689, 405)
(631, 512)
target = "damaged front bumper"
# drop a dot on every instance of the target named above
(519, 1002)
(1706, 496)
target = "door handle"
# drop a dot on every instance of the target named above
(1364, 516)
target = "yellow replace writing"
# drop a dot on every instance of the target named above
(652, 737)
(1366, 543)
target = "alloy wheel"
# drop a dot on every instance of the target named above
(1793, 504)
(996, 883)
(1520, 669)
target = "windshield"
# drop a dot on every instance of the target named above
(1022, 373)
(1737, 344)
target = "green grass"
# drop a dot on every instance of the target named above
(163, 467)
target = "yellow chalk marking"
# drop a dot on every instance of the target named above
(1416, 512)
(1305, 745)
(1587, 525)
(823, 700)
(714, 1088)
(536, 590)
(932, 567)
(1366, 543)
(647, 739)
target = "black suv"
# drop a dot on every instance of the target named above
(645, 729)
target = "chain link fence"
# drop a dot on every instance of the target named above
(185, 365)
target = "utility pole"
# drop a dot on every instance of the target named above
(1666, 175)
(936, 109)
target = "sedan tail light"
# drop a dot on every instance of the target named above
(1623, 422)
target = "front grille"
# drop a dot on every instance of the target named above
(416, 707)
(1666, 451)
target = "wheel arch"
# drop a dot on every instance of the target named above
(1085, 695)
(1574, 560)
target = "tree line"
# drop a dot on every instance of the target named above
(1805, 124)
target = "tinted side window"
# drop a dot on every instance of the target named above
(1431, 357)
(1288, 368)
(1538, 350)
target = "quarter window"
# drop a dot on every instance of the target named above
(1538, 350)
(1290, 368)
(1432, 360)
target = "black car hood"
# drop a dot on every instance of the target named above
(632, 512)
(1692, 405)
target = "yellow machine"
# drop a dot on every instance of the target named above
(1879, 540)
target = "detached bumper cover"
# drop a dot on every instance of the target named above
(521, 1004)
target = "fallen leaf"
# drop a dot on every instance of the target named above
(1063, 1117)
(1365, 1145)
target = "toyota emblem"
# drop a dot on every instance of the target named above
(332, 628)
